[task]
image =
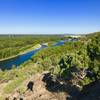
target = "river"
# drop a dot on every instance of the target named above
(17, 61)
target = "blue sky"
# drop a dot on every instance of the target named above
(49, 16)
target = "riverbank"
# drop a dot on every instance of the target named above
(37, 46)
(22, 52)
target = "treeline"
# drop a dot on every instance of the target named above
(11, 45)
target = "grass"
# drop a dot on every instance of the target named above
(23, 51)
(11, 86)
(1, 98)
(16, 76)
(21, 89)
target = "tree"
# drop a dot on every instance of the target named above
(93, 51)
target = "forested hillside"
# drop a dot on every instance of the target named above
(82, 55)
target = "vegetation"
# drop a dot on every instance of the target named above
(78, 62)
(62, 60)
(93, 51)
(11, 45)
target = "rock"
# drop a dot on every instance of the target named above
(30, 85)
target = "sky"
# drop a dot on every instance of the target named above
(49, 16)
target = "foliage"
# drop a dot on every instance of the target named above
(93, 51)
(64, 61)
(11, 45)
(11, 86)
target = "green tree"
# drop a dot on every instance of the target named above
(93, 51)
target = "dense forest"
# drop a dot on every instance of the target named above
(75, 62)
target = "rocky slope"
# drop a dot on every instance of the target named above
(43, 88)
(39, 91)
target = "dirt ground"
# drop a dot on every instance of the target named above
(39, 91)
